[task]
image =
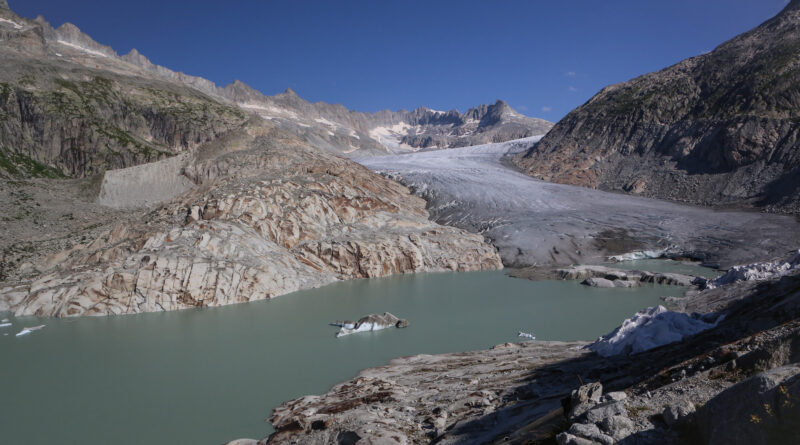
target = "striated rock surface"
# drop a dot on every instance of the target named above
(545, 392)
(717, 129)
(267, 217)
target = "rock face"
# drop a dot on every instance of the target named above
(241, 207)
(70, 103)
(69, 108)
(717, 129)
(602, 276)
(269, 218)
(761, 410)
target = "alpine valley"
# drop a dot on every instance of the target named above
(660, 218)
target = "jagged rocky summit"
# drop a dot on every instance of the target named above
(74, 107)
(719, 129)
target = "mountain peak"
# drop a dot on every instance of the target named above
(4, 5)
(290, 92)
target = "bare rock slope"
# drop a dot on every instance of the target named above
(269, 218)
(717, 129)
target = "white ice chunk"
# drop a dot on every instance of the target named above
(5, 325)
(640, 255)
(369, 323)
(28, 330)
(648, 329)
(526, 335)
(757, 271)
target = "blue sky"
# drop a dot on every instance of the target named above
(543, 57)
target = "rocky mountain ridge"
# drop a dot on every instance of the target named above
(125, 191)
(719, 129)
(59, 74)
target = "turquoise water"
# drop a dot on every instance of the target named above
(210, 375)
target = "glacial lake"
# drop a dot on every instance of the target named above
(207, 376)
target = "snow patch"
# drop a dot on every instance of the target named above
(268, 111)
(390, 137)
(5, 325)
(324, 121)
(648, 329)
(82, 48)
(757, 271)
(12, 23)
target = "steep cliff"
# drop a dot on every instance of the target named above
(718, 129)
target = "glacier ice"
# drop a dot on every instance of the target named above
(648, 329)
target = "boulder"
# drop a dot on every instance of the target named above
(678, 413)
(762, 410)
(590, 431)
(598, 282)
(569, 439)
(617, 427)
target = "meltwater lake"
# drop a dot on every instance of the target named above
(207, 376)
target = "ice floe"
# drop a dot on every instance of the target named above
(369, 323)
(526, 335)
(639, 255)
(651, 328)
(28, 330)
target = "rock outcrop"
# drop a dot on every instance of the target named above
(68, 107)
(540, 392)
(266, 217)
(603, 276)
(718, 129)
(762, 410)
(70, 103)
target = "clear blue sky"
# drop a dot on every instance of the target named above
(543, 57)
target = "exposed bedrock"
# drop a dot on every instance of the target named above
(534, 391)
(265, 220)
